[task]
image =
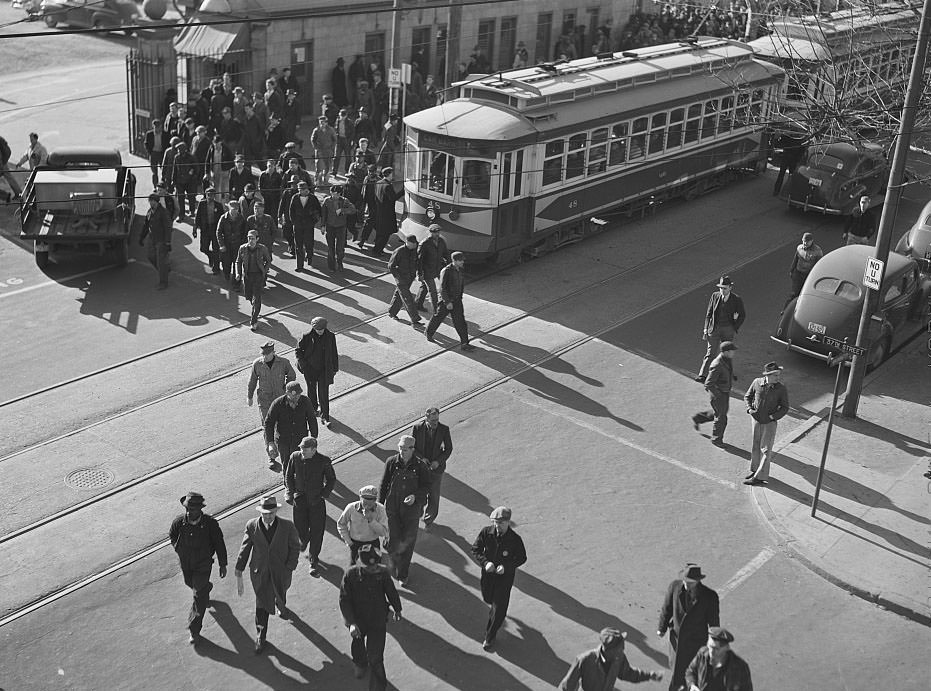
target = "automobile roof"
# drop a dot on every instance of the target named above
(848, 263)
(84, 157)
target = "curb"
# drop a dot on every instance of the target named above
(900, 605)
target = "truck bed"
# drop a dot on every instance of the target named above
(63, 226)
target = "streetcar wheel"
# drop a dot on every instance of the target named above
(50, 21)
(42, 259)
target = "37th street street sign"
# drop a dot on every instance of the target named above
(844, 347)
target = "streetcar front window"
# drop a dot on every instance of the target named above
(437, 172)
(476, 179)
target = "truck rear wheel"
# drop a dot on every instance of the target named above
(42, 259)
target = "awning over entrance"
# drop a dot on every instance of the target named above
(204, 41)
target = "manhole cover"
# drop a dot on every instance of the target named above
(89, 478)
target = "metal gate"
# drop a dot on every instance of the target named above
(150, 71)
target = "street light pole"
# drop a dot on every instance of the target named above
(835, 361)
(890, 207)
(393, 60)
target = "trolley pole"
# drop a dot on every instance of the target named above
(890, 208)
(835, 361)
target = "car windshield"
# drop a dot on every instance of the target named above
(825, 162)
(840, 288)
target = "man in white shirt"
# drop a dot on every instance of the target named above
(363, 522)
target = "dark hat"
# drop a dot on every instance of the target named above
(318, 323)
(725, 280)
(612, 638)
(268, 504)
(154, 197)
(193, 500)
(268, 345)
(807, 236)
(174, 140)
(728, 345)
(411, 238)
(239, 157)
(456, 256)
(249, 187)
(502, 513)
(771, 368)
(719, 633)
(434, 228)
(369, 555)
(182, 145)
(210, 190)
(692, 571)
(387, 171)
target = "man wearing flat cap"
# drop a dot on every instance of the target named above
(599, 669)
(197, 538)
(716, 667)
(290, 418)
(318, 359)
(270, 375)
(231, 234)
(365, 594)
(403, 267)
(403, 491)
(689, 608)
(274, 547)
(308, 482)
(363, 522)
(724, 316)
(452, 290)
(767, 402)
(498, 551)
(718, 385)
(304, 213)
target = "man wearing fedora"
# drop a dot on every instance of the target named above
(318, 359)
(274, 547)
(718, 385)
(197, 538)
(716, 666)
(723, 318)
(270, 375)
(600, 668)
(767, 401)
(365, 594)
(689, 608)
(498, 551)
(309, 481)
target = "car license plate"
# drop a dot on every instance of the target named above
(814, 182)
(817, 328)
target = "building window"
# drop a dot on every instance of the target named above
(375, 50)
(544, 36)
(420, 49)
(486, 39)
(508, 46)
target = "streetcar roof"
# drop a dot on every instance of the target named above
(835, 29)
(543, 85)
(474, 120)
(786, 47)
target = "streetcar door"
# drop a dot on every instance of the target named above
(514, 215)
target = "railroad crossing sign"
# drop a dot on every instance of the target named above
(843, 346)
(873, 274)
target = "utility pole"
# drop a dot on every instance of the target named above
(890, 207)
(393, 59)
(453, 29)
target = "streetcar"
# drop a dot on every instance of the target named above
(858, 57)
(524, 161)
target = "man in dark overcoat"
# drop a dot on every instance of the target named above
(158, 223)
(318, 359)
(290, 418)
(599, 669)
(498, 551)
(304, 212)
(231, 234)
(432, 256)
(724, 316)
(435, 445)
(207, 218)
(274, 547)
(364, 596)
(386, 220)
(403, 267)
(718, 385)
(196, 538)
(309, 481)
(689, 608)
(403, 491)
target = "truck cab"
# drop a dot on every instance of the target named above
(81, 201)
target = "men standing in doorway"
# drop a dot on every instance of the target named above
(432, 256)
(452, 288)
(270, 374)
(363, 522)
(196, 538)
(403, 491)
(289, 420)
(723, 318)
(274, 546)
(364, 597)
(318, 359)
(252, 264)
(718, 385)
(498, 551)
(435, 445)
(767, 401)
(158, 223)
(689, 608)
(309, 481)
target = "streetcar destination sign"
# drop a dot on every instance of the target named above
(844, 347)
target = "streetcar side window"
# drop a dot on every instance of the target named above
(598, 151)
(552, 161)
(658, 133)
(692, 126)
(618, 152)
(476, 179)
(506, 176)
(518, 173)
(674, 133)
(575, 158)
(437, 172)
(710, 123)
(726, 121)
(743, 109)
(638, 139)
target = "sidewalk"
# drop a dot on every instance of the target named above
(871, 534)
